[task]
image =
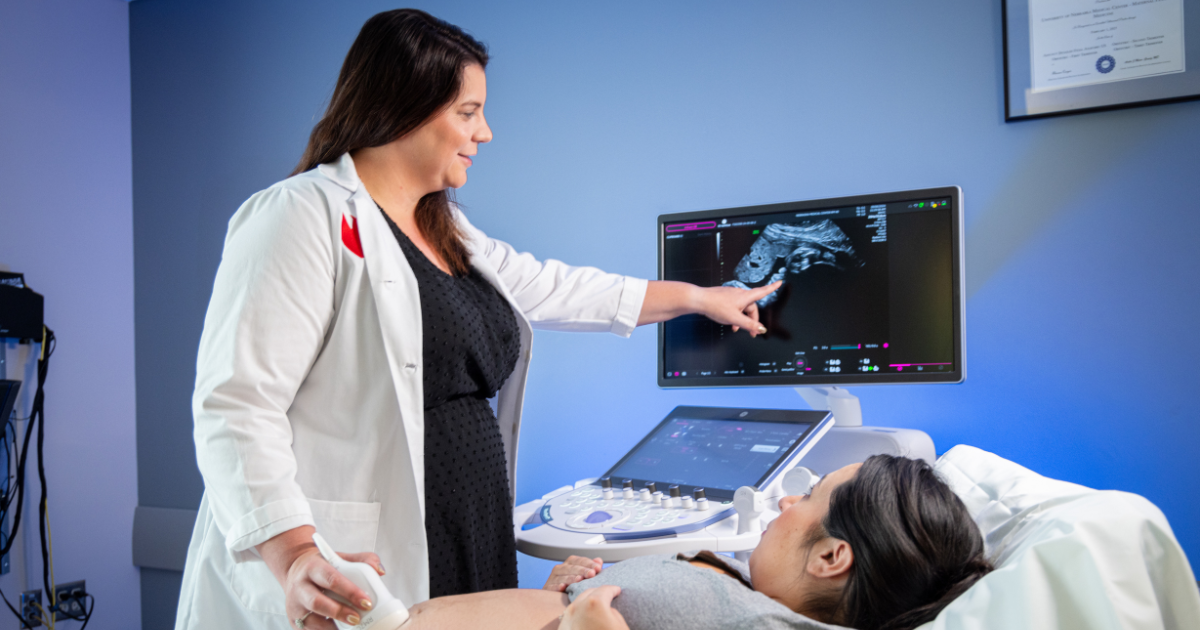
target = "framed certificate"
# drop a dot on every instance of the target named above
(1074, 56)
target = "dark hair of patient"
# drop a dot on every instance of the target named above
(915, 546)
(403, 69)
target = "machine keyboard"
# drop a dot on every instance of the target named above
(586, 509)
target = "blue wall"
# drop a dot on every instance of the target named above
(66, 222)
(1080, 230)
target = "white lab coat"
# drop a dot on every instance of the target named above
(308, 404)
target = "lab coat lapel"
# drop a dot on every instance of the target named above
(397, 300)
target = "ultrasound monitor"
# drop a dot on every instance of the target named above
(872, 291)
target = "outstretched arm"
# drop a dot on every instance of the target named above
(557, 296)
(724, 305)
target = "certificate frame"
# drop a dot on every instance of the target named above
(1023, 102)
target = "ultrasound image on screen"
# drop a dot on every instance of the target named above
(715, 454)
(792, 249)
(867, 290)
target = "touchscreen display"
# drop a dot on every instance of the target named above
(714, 454)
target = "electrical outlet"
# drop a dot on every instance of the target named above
(30, 613)
(70, 599)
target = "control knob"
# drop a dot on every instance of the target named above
(750, 504)
(655, 495)
(799, 480)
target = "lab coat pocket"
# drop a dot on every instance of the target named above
(348, 526)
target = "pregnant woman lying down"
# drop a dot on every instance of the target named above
(884, 544)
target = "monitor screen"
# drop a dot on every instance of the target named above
(872, 291)
(715, 448)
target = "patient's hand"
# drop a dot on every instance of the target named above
(575, 569)
(593, 610)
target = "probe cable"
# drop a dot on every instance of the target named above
(46, 535)
(14, 610)
(50, 538)
(47, 620)
(10, 447)
(39, 399)
(35, 414)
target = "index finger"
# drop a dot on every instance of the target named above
(365, 557)
(765, 290)
(325, 576)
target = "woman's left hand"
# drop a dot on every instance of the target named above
(593, 610)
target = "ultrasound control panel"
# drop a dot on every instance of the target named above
(625, 514)
(676, 490)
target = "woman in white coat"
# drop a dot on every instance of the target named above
(348, 293)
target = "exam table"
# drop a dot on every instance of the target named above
(1066, 556)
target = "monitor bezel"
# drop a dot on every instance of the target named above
(958, 375)
(729, 414)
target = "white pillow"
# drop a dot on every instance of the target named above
(1066, 556)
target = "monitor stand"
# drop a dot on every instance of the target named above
(848, 441)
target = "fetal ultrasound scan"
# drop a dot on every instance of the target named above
(865, 290)
(789, 249)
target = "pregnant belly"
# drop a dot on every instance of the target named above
(511, 609)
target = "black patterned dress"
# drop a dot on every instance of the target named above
(471, 344)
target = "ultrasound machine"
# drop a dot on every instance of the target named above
(872, 294)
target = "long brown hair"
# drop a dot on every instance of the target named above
(404, 68)
(915, 546)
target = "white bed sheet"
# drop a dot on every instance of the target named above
(1067, 556)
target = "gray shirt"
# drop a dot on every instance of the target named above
(665, 592)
